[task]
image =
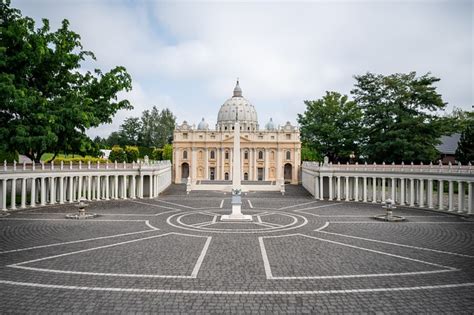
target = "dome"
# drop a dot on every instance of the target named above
(270, 125)
(203, 125)
(237, 107)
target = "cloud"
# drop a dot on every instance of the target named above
(187, 55)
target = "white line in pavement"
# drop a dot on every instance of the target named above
(323, 227)
(69, 220)
(250, 204)
(73, 242)
(266, 263)
(300, 204)
(222, 203)
(391, 243)
(201, 258)
(256, 292)
(151, 226)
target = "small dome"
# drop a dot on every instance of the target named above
(237, 107)
(203, 125)
(270, 125)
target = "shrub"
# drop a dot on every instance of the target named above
(168, 152)
(142, 151)
(157, 154)
(131, 153)
(9, 156)
(86, 159)
(117, 154)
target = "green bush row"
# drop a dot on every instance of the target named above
(79, 159)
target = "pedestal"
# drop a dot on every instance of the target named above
(236, 214)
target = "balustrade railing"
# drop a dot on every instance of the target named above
(442, 187)
(39, 184)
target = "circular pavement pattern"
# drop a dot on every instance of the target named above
(174, 254)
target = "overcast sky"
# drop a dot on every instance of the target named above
(187, 55)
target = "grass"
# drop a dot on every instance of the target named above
(47, 156)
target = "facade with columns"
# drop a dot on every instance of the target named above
(269, 154)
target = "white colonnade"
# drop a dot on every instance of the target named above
(33, 185)
(442, 187)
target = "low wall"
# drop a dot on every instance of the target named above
(442, 187)
(33, 185)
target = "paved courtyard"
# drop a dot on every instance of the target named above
(173, 255)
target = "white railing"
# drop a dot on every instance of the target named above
(32, 185)
(410, 185)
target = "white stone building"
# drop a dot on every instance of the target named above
(271, 154)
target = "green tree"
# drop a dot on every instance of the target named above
(130, 131)
(46, 103)
(400, 120)
(131, 153)
(465, 150)
(157, 127)
(331, 126)
(117, 154)
(168, 152)
(308, 154)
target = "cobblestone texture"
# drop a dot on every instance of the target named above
(164, 256)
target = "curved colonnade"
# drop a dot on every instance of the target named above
(408, 185)
(33, 185)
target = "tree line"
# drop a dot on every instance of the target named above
(390, 118)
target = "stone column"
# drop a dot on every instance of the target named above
(356, 188)
(23, 193)
(316, 187)
(89, 187)
(33, 192)
(133, 191)
(470, 198)
(43, 192)
(52, 192)
(402, 191)
(430, 193)
(440, 195)
(382, 198)
(265, 171)
(116, 187)
(412, 192)
(421, 200)
(61, 190)
(124, 187)
(151, 186)
(98, 192)
(206, 164)
(365, 189)
(374, 189)
(451, 196)
(338, 191)
(346, 188)
(79, 188)
(460, 197)
(4, 195)
(321, 187)
(193, 165)
(140, 187)
(107, 187)
(331, 197)
(13, 195)
(394, 184)
(255, 173)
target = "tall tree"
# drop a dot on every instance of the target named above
(331, 126)
(465, 150)
(157, 127)
(400, 120)
(131, 131)
(46, 103)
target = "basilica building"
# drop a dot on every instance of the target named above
(269, 154)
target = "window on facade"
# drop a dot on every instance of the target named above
(185, 136)
(200, 155)
(226, 155)
(246, 155)
(260, 155)
(288, 155)
(232, 127)
(272, 155)
(288, 136)
(185, 155)
(273, 137)
(225, 128)
(260, 137)
(248, 128)
(213, 155)
(200, 136)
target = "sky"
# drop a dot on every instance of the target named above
(187, 55)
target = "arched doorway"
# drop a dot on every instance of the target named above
(246, 176)
(184, 171)
(288, 172)
(226, 176)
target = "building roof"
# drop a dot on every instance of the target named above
(449, 144)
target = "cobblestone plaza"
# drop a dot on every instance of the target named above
(298, 255)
